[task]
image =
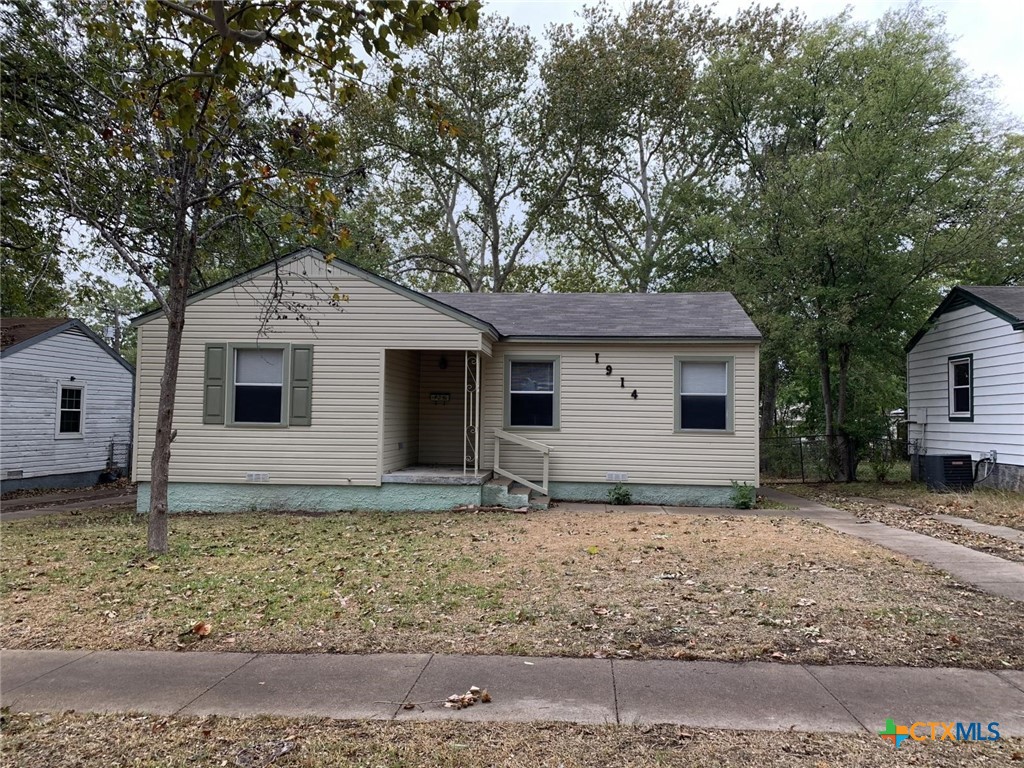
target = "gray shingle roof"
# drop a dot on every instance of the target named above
(1008, 298)
(608, 315)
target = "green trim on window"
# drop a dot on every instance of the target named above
(959, 416)
(557, 394)
(730, 367)
(300, 400)
(214, 383)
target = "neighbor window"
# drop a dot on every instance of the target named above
(258, 386)
(961, 380)
(532, 393)
(704, 394)
(70, 411)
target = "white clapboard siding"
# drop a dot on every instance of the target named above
(998, 352)
(401, 409)
(348, 320)
(29, 406)
(603, 429)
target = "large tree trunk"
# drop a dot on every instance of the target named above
(769, 398)
(828, 408)
(847, 450)
(156, 538)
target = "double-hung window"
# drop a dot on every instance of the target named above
(961, 384)
(258, 385)
(704, 394)
(70, 421)
(532, 392)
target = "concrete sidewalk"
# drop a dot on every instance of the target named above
(981, 570)
(746, 696)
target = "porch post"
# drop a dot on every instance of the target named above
(471, 413)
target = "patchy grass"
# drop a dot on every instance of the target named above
(911, 507)
(555, 583)
(44, 741)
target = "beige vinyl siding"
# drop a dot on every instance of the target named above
(401, 408)
(602, 429)
(441, 425)
(343, 444)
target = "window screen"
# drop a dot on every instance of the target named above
(703, 395)
(531, 394)
(259, 382)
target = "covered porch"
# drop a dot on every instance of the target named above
(431, 417)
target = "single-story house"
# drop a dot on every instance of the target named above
(65, 405)
(965, 382)
(314, 384)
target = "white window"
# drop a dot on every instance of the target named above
(961, 382)
(532, 393)
(70, 410)
(258, 386)
(704, 394)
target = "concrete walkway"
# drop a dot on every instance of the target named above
(983, 571)
(747, 696)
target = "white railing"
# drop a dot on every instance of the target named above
(533, 445)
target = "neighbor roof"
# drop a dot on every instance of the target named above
(1004, 301)
(15, 330)
(608, 315)
(17, 333)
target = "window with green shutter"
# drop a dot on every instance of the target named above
(258, 384)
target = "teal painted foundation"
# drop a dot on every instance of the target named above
(648, 493)
(397, 497)
(245, 497)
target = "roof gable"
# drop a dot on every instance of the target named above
(1004, 301)
(17, 333)
(345, 266)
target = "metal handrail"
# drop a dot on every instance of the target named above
(544, 450)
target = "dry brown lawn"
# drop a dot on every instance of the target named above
(554, 583)
(104, 741)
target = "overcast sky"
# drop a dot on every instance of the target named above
(989, 33)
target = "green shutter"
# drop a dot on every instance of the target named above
(301, 390)
(215, 383)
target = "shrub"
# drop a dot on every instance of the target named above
(743, 496)
(620, 494)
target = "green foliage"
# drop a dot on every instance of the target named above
(620, 494)
(456, 167)
(743, 496)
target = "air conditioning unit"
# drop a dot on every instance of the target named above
(948, 472)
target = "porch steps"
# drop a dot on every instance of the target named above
(502, 492)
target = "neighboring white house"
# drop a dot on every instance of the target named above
(313, 385)
(65, 404)
(965, 382)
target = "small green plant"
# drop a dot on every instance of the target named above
(620, 494)
(743, 496)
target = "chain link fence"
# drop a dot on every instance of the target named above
(805, 459)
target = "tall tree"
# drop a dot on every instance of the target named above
(646, 197)
(36, 100)
(188, 124)
(869, 173)
(458, 163)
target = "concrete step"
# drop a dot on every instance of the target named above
(518, 496)
(539, 500)
(495, 492)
